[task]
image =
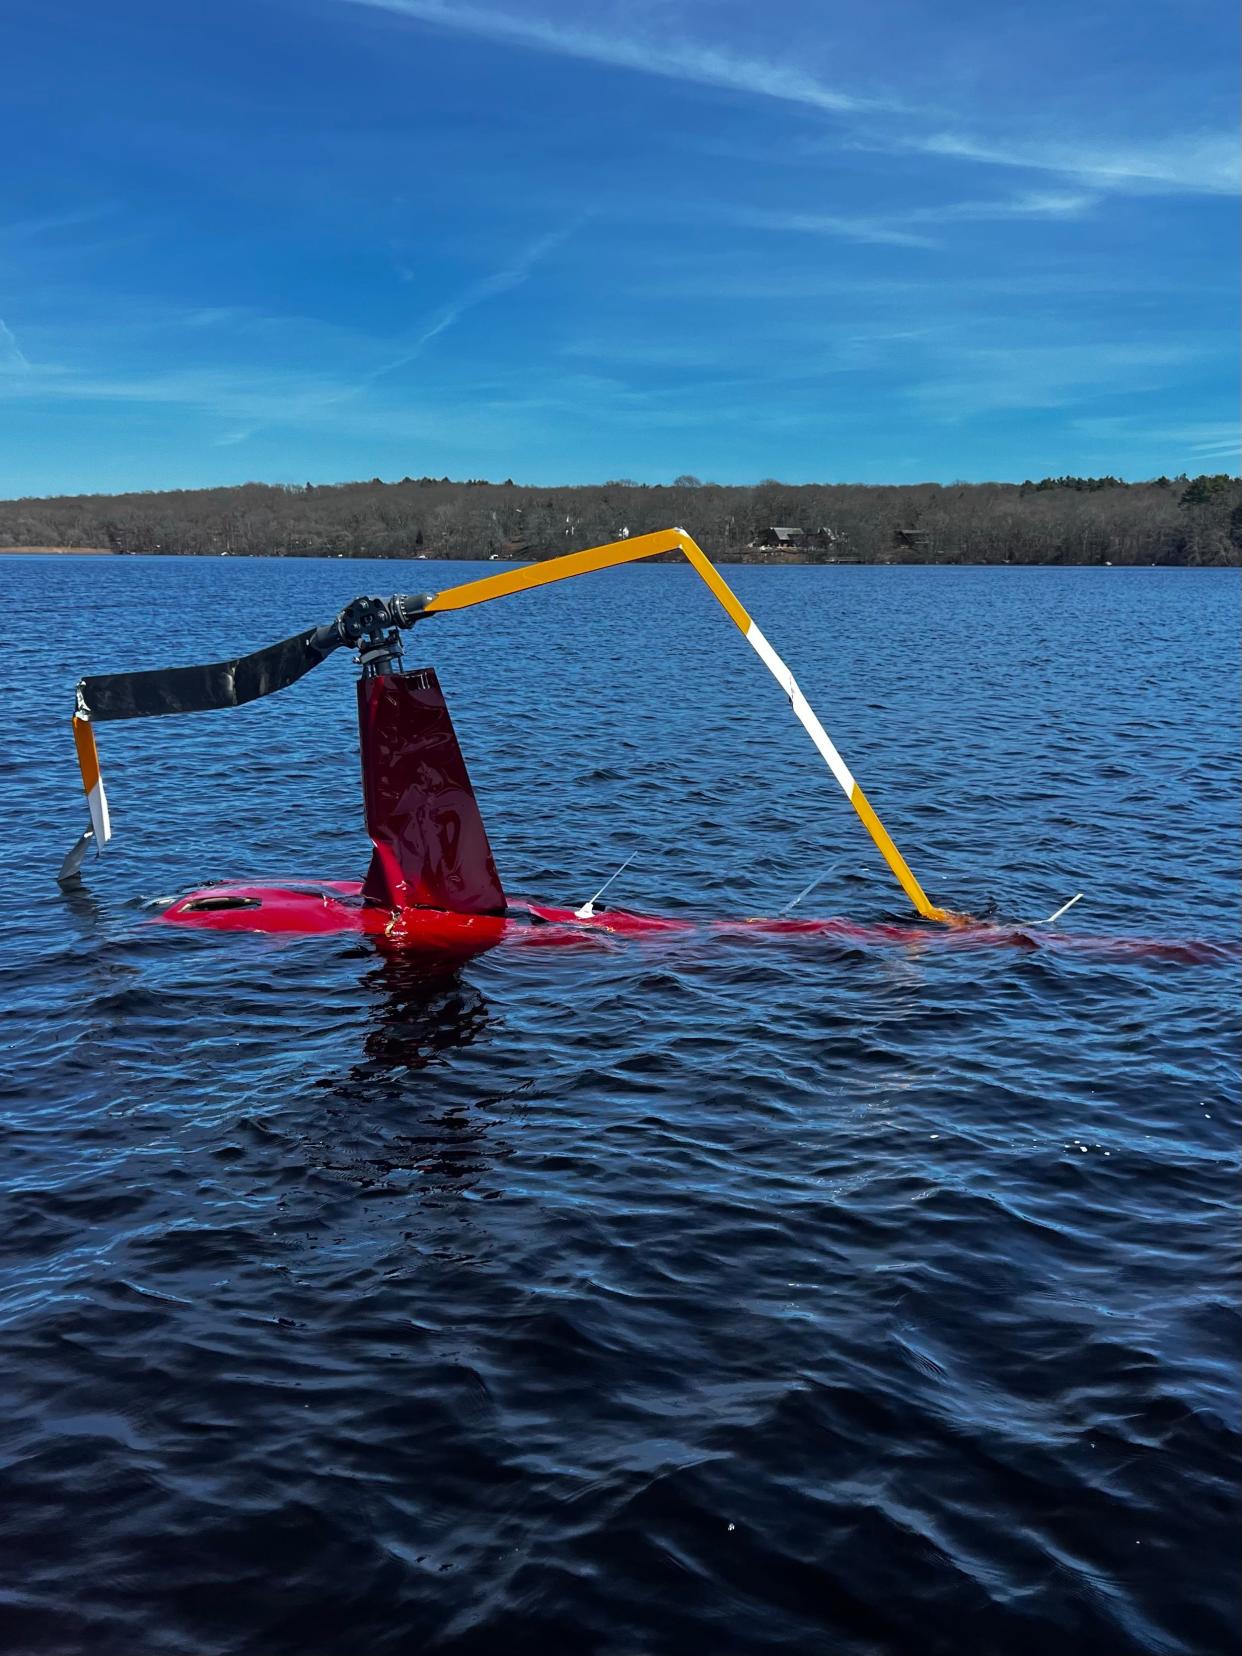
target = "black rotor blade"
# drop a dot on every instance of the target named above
(218, 684)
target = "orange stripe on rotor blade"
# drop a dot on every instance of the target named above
(88, 753)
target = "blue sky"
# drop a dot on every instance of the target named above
(310, 240)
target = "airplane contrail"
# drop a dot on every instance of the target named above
(476, 293)
(501, 281)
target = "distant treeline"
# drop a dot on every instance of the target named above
(1058, 520)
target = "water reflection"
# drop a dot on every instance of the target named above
(391, 1122)
(81, 907)
(422, 1010)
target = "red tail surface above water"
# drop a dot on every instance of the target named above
(431, 848)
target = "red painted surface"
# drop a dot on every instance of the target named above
(306, 907)
(299, 908)
(431, 848)
(303, 908)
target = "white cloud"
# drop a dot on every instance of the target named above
(1206, 163)
(11, 354)
(673, 60)
(877, 231)
(46, 223)
(211, 316)
(1197, 163)
(1024, 377)
(911, 228)
(1197, 442)
(251, 399)
(1036, 204)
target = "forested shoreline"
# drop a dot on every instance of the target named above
(1065, 520)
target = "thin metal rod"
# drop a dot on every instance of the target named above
(588, 908)
(807, 890)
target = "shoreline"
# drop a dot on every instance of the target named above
(482, 557)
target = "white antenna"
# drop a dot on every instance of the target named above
(807, 890)
(588, 908)
(1076, 898)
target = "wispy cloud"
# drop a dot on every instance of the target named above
(45, 223)
(1225, 448)
(11, 354)
(248, 397)
(1204, 163)
(751, 276)
(211, 316)
(697, 356)
(884, 232)
(674, 60)
(1196, 442)
(913, 227)
(252, 398)
(988, 380)
(1035, 204)
(1198, 163)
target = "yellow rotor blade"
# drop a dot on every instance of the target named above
(677, 540)
(554, 569)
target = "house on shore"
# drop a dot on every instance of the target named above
(825, 539)
(792, 543)
(919, 541)
(781, 540)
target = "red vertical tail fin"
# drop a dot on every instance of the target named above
(431, 848)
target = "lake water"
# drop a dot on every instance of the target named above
(708, 1296)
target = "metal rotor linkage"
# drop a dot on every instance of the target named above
(371, 625)
(367, 625)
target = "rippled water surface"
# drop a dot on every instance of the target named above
(703, 1296)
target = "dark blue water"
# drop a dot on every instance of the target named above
(719, 1297)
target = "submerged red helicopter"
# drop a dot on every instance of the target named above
(432, 884)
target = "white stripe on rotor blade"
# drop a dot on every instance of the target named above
(801, 707)
(97, 803)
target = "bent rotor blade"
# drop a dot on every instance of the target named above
(92, 781)
(670, 540)
(100, 830)
(69, 869)
(164, 690)
(806, 717)
(200, 689)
